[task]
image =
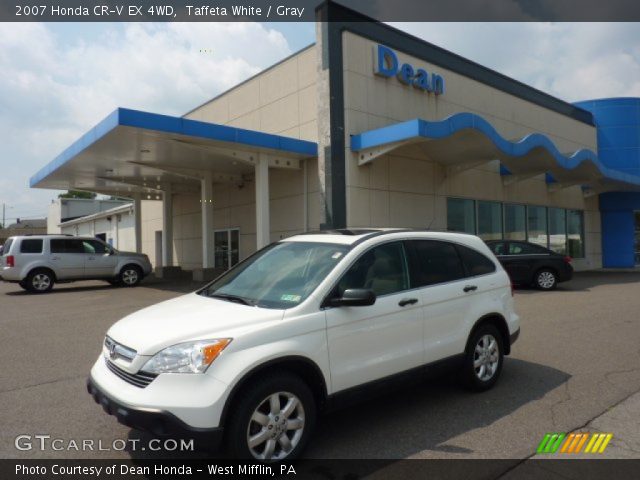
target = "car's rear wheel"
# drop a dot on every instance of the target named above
(483, 358)
(273, 419)
(39, 281)
(545, 279)
(130, 275)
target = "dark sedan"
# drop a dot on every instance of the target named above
(530, 264)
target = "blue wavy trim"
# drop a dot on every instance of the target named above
(465, 121)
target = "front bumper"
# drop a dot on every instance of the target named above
(155, 421)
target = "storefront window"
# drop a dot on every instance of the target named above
(557, 230)
(490, 220)
(537, 225)
(226, 248)
(575, 233)
(515, 222)
(461, 215)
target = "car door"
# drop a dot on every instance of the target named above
(99, 262)
(371, 342)
(524, 259)
(436, 268)
(67, 257)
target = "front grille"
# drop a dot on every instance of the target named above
(140, 379)
(115, 350)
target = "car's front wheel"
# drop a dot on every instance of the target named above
(272, 420)
(483, 358)
(130, 276)
(545, 279)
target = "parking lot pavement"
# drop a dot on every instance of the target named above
(578, 356)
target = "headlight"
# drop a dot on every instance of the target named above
(191, 357)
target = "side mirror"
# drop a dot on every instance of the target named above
(354, 297)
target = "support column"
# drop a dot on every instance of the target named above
(137, 215)
(167, 226)
(263, 224)
(206, 204)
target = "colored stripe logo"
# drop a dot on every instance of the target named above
(580, 442)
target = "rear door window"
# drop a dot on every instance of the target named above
(66, 245)
(31, 245)
(434, 262)
(475, 262)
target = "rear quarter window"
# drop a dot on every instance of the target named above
(475, 262)
(7, 246)
(31, 245)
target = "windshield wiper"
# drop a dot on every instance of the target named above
(231, 298)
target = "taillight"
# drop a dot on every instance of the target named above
(11, 261)
(567, 259)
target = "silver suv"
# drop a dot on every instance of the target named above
(36, 262)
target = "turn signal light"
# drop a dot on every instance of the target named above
(210, 352)
(11, 261)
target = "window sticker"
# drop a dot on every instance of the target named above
(290, 298)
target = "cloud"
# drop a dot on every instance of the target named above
(54, 89)
(573, 61)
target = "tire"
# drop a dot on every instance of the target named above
(115, 282)
(296, 408)
(130, 276)
(545, 279)
(39, 280)
(483, 358)
(23, 284)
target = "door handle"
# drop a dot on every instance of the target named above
(469, 288)
(91, 258)
(55, 258)
(407, 301)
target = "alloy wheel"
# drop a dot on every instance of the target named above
(276, 426)
(41, 282)
(546, 280)
(486, 357)
(130, 276)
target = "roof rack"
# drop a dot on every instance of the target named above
(45, 235)
(344, 231)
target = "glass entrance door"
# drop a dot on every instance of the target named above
(637, 242)
(227, 248)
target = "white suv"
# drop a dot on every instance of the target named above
(36, 262)
(301, 324)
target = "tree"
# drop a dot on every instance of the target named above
(77, 194)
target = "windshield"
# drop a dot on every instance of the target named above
(281, 276)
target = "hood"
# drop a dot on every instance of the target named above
(185, 318)
(132, 254)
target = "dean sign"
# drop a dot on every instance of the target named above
(386, 64)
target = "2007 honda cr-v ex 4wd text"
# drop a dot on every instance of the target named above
(254, 356)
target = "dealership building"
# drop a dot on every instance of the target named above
(369, 126)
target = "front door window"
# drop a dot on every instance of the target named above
(227, 248)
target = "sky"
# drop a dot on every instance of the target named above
(57, 80)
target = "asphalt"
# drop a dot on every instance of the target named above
(577, 360)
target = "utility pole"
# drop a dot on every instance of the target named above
(3, 210)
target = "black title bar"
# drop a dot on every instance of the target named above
(304, 10)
